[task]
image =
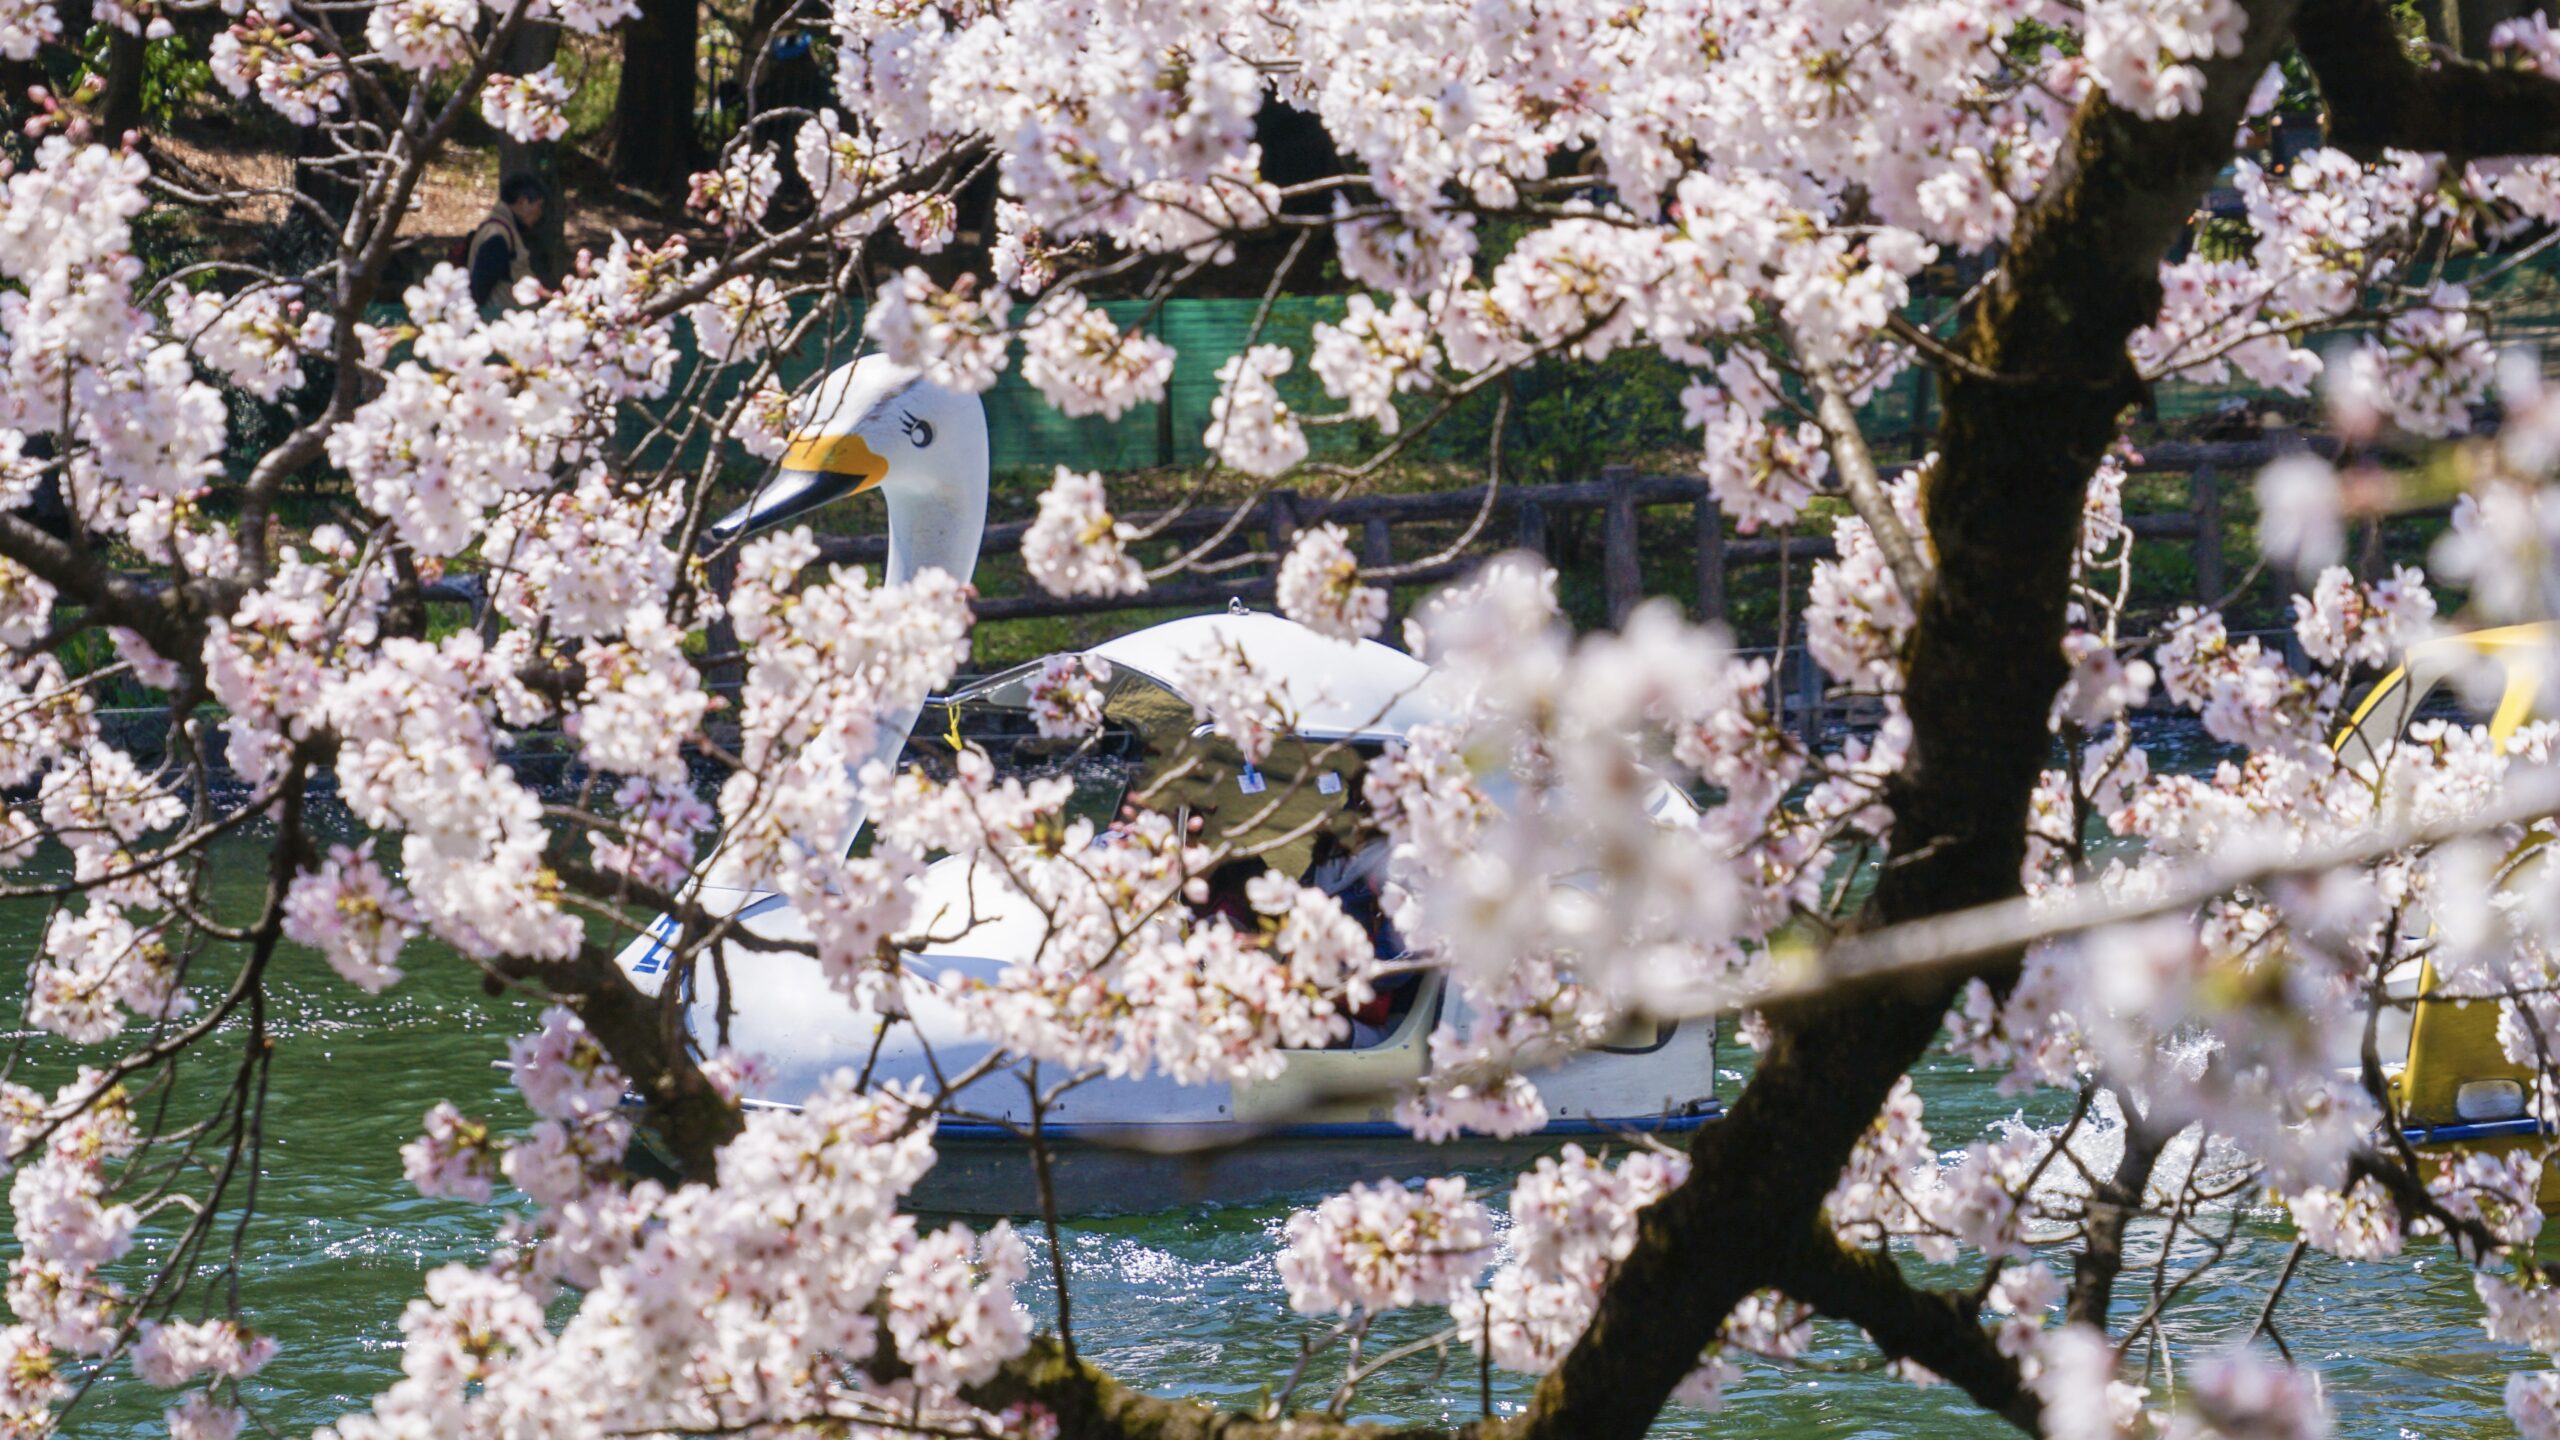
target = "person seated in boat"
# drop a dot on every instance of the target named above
(1354, 879)
(1226, 895)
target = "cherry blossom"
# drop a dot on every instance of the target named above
(958, 342)
(2533, 1403)
(278, 61)
(1083, 364)
(526, 108)
(2241, 1393)
(256, 339)
(2435, 363)
(740, 319)
(26, 26)
(422, 35)
(454, 1157)
(201, 1417)
(1856, 616)
(2342, 623)
(1573, 1217)
(1075, 547)
(737, 193)
(2103, 685)
(1250, 426)
(563, 1072)
(1067, 696)
(1373, 354)
(354, 915)
(1320, 587)
(1250, 708)
(950, 1305)
(2361, 1224)
(2298, 524)
(1023, 261)
(1386, 1247)
(172, 1353)
(1761, 473)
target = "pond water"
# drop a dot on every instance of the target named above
(1181, 1302)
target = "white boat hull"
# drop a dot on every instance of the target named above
(1143, 1142)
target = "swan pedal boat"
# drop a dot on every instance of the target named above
(2450, 1079)
(1144, 1142)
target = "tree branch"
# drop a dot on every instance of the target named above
(157, 613)
(2003, 507)
(1090, 1405)
(2117, 1200)
(1866, 488)
(684, 1111)
(2379, 99)
(1933, 1328)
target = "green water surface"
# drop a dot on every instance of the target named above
(1183, 1302)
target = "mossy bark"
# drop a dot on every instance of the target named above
(2379, 99)
(2026, 424)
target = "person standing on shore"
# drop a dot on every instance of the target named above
(500, 252)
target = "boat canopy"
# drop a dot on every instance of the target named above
(1347, 699)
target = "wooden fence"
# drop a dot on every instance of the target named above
(1520, 516)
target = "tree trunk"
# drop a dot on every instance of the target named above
(778, 63)
(120, 106)
(654, 147)
(778, 69)
(308, 239)
(45, 67)
(533, 46)
(2464, 26)
(2003, 507)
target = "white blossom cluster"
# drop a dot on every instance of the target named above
(759, 1300)
(1075, 547)
(1320, 587)
(1614, 827)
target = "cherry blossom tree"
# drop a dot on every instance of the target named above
(1748, 191)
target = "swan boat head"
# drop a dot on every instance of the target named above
(875, 425)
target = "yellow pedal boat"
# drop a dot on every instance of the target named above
(2451, 1081)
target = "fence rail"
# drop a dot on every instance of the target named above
(1520, 515)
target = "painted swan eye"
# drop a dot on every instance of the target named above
(919, 431)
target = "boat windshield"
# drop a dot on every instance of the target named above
(2465, 689)
(1301, 797)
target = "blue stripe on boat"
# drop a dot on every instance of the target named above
(2477, 1130)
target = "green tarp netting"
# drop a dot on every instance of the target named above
(1025, 433)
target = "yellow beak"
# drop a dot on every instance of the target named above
(849, 456)
(816, 469)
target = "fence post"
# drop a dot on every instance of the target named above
(1280, 519)
(721, 637)
(1808, 696)
(1377, 547)
(1622, 577)
(1529, 527)
(2208, 547)
(1710, 557)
